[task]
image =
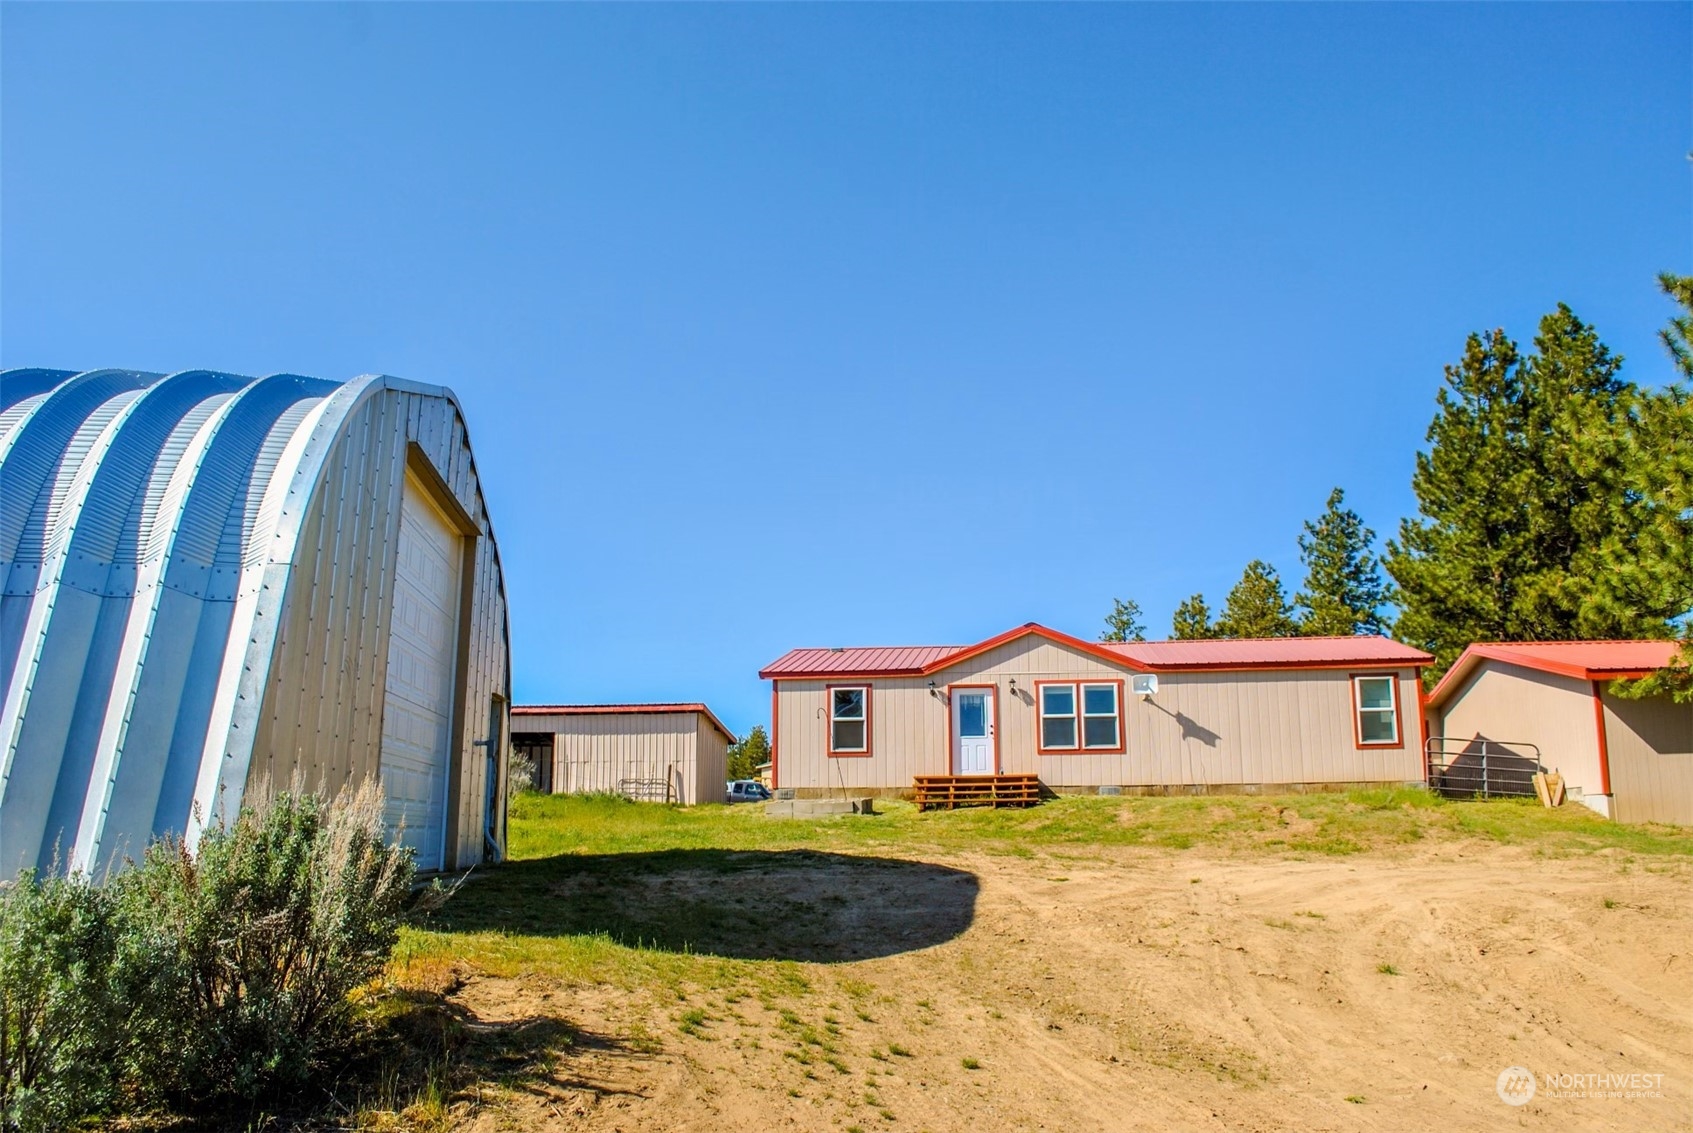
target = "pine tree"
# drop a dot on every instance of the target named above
(1192, 621)
(1257, 606)
(1654, 570)
(745, 755)
(1123, 622)
(1581, 416)
(1521, 489)
(1344, 591)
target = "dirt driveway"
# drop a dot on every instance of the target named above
(1139, 990)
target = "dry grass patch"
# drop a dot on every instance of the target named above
(709, 967)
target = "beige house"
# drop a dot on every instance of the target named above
(1550, 703)
(675, 753)
(1154, 717)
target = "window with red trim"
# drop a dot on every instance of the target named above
(1057, 717)
(1375, 700)
(849, 719)
(1080, 716)
(1102, 725)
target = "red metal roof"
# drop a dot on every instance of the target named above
(1271, 653)
(857, 660)
(1156, 656)
(619, 710)
(1583, 660)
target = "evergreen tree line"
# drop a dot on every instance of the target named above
(1344, 593)
(1555, 503)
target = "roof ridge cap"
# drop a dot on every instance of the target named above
(1581, 641)
(839, 648)
(1285, 637)
(622, 704)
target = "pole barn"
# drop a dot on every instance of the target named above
(212, 581)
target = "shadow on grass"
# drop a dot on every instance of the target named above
(740, 904)
(421, 1051)
(430, 1039)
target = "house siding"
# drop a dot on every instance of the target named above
(1650, 743)
(596, 752)
(1203, 730)
(711, 762)
(1507, 704)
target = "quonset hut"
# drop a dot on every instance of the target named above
(212, 581)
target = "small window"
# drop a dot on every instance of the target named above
(1100, 721)
(972, 714)
(1378, 713)
(1057, 716)
(849, 719)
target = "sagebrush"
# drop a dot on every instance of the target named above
(58, 1048)
(199, 981)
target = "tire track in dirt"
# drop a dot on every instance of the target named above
(1130, 996)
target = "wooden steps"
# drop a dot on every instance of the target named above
(936, 792)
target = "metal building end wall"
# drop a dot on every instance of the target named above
(159, 537)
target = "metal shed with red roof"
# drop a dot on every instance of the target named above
(1164, 716)
(672, 752)
(1554, 702)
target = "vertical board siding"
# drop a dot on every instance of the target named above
(321, 719)
(226, 601)
(1506, 704)
(597, 752)
(1201, 729)
(711, 761)
(1650, 743)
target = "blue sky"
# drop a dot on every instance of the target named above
(817, 325)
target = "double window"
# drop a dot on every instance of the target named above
(849, 720)
(1375, 702)
(1080, 716)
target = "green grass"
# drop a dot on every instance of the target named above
(637, 895)
(687, 907)
(1334, 823)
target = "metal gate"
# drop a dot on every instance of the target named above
(646, 790)
(1478, 768)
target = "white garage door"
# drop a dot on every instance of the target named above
(417, 711)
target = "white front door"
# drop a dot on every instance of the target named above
(972, 731)
(417, 708)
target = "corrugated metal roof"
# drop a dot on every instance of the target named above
(1271, 652)
(1582, 660)
(858, 660)
(662, 709)
(146, 521)
(1170, 656)
(1595, 658)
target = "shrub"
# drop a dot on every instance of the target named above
(59, 1034)
(198, 980)
(240, 961)
(520, 774)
